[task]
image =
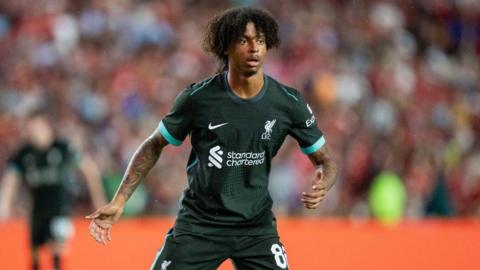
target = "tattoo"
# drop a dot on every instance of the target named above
(141, 163)
(321, 159)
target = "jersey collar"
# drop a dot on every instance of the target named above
(245, 100)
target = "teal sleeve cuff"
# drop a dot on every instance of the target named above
(314, 147)
(163, 130)
(13, 167)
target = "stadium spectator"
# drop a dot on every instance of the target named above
(382, 76)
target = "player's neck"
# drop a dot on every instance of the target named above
(42, 145)
(245, 87)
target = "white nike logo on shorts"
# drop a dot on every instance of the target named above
(216, 126)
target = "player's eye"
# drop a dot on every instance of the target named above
(242, 41)
(261, 41)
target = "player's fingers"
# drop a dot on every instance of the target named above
(309, 198)
(109, 234)
(92, 230)
(100, 234)
(308, 206)
(312, 206)
(312, 201)
(104, 224)
(318, 188)
(104, 227)
(95, 232)
(314, 194)
(93, 215)
(103, 236)
(314, 198)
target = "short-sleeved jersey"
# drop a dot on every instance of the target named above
(233, 142)
(48, 174)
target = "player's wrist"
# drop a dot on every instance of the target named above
(119, 201)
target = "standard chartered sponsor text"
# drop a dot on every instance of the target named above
(245, 158)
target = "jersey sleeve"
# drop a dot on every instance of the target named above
(176, 125)
(14, 163)
(304, 127)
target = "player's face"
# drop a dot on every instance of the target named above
(39, 131)
(247, 53)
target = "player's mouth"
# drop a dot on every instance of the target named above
(253, 61)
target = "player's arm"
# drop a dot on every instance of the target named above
(325, 167)
(91, 174)
(7, 192)
(325, 177)
(140, 164)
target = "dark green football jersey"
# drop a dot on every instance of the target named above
(48, 174)
(233, 142)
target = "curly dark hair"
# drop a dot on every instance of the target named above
(228, 26)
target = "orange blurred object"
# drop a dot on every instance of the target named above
(311, 244)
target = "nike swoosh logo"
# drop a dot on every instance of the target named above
(216, 126)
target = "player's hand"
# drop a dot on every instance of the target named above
(102, 220)
(312, 199)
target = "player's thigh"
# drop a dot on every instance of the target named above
(260, 253)
(190, 252)
(39, 231)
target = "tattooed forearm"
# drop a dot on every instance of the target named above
(141, 163)
(322, 159)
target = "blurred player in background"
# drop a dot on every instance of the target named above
(237, 121)
(46, 165)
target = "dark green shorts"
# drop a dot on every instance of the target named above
(202, 252)
(49, 228)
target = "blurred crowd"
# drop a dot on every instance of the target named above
(394, 86)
